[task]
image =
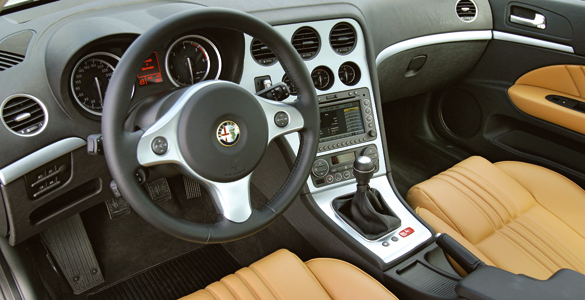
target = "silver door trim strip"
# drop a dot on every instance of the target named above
(504, 36)
(449, 37)
(38, 158)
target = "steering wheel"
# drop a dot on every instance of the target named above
(215, 132)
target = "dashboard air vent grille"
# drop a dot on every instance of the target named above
(262, 54)
(342, 38)
(24, 115)
(9, 60)
(306, 41)
(466, 10)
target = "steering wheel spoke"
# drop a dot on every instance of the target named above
(282, 118)
(232, 198)
(159, 143)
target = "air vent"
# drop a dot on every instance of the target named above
(342, 38)
(9, 60)
(262, 54)
(306, 41)
(24, 115)
(466, 10)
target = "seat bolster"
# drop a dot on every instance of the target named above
(557, 194)
(441, 227)
(200, 295)
(344, 281)
(417, 197)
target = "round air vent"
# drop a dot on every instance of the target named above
(466, 10)
(306, 41)
(24, 115)
(342, 38)
(262, 54)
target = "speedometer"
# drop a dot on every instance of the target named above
(90, 78)
(191, 59)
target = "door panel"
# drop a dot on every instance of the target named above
(507, 132)
(564, 20)
(554, 94)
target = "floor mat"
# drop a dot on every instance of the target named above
(175, 278)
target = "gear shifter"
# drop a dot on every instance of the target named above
(366, 211)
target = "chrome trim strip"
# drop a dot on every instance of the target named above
(450, 37)
(36, 159)
(503, 36)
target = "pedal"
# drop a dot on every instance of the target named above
(192, 188)
(159, 190)
(117, 207)
(69, 245)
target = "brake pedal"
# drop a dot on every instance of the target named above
(69, 245)
(192, 187)
(159, 190)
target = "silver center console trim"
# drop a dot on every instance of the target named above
(393, 249)
(38, 158)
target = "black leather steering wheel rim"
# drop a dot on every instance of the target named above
(120, 145)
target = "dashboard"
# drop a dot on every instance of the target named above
(67, 51)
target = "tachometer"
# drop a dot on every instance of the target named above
(191, 59)
(90, 79)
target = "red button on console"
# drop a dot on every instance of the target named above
(406, 232)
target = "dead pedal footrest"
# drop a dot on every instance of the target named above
(69, 245)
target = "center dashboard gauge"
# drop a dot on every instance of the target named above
(322, 78)
(90, 79)
(191, 59)
(349, 73)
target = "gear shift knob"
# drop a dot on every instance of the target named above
(363, 169)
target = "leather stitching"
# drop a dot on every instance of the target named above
(554, 173)
(483, 211)
(438, 208)
(232, 290)
(250, 286)
(558, 246)
(533, 246)
(503, 196)
(212, 293)
(272, 291)
(514, 243)
(355, 268)
(491, 191)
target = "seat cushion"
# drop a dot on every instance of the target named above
(519, 217)
(282, 275)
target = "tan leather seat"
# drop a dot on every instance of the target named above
(519, 217)
(282, 275)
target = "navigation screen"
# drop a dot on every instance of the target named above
(339, 121)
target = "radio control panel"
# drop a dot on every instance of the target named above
(338, 167)
(346, 119)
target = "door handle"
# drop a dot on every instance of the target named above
(538, 22)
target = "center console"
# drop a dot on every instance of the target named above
(349, 128)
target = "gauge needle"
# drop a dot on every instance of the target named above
(190, 70)
(97, 85)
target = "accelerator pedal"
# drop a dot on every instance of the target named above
(69, 245)
(192, 187)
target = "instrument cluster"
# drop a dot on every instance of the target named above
(181, 61)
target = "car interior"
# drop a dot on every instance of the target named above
(308, 149)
